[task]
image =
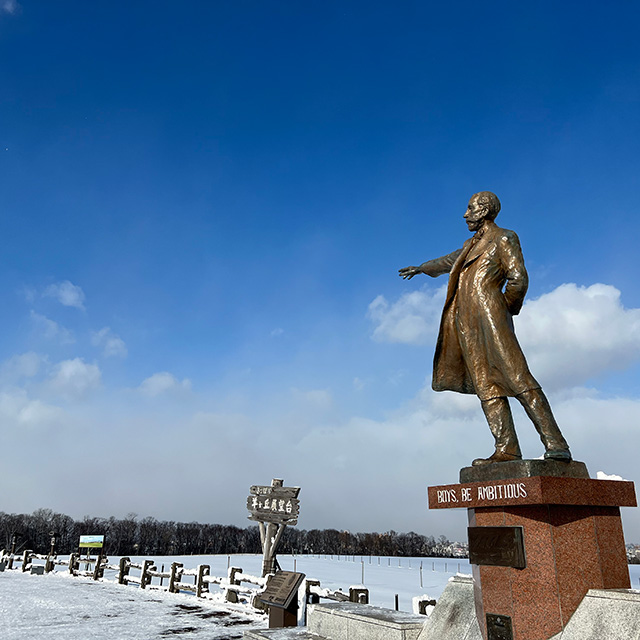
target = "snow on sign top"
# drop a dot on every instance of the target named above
(281, 492)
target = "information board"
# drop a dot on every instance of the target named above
(281, 588)
(96, 542)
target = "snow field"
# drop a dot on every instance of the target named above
(61, 607)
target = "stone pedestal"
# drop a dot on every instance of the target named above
(541, 542)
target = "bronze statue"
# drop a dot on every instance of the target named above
(477, 350)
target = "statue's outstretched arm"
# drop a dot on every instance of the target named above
(433, 268)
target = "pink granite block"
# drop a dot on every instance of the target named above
(610, 539)
(535, 592)
(576, 555)
(497, 596)
(489, 517)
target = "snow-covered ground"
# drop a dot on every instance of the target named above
(60, 607)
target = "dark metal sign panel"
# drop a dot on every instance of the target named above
(499, 627)
(281, 588)
(497, 546)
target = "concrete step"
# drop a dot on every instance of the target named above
(351, 621)
(291, 633)
(605, 614)
(454, 617)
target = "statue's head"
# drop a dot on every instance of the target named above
(489, 202)
(482, 206)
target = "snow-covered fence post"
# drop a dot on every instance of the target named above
(98, 571)
(421, 604)
(14, 539)
(73, 563)
(312, 598)
(232, 594)
(26, 559)
(359, 594)
(202, 586)
(125, 565)
(176, 573)
(145, 578)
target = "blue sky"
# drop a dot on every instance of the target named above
(204, 207)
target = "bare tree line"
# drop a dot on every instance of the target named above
(148, 537)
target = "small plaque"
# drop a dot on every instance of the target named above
(497, 546)
(499, 627)
(281, 588)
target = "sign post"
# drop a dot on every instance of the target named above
(273, 508)
(93, 542)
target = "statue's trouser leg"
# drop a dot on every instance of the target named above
(500, 419)
(537, 406)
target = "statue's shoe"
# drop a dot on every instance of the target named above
(498, 456)
(558, 454)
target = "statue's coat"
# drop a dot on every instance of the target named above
(477, 350)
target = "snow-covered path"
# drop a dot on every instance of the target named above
(59, 607)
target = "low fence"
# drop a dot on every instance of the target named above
(237, 587)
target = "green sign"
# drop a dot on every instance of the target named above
(91, 541)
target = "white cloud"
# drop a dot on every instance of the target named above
(66, 293)
(75, 378)
(51, 329)
(163, 382)
(413, 319)
(568, 335)
(313, 398)
(112, 345)
(24, 365)
(574, 333)
(17, 410)
(10, 6)
(29, 293)
(277, 332)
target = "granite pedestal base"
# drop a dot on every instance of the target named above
(348, 621)
(571, 536)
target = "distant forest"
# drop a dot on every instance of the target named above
(151, 537)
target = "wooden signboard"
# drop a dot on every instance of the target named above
(276, 509)
(275, 504)
(281, 589)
